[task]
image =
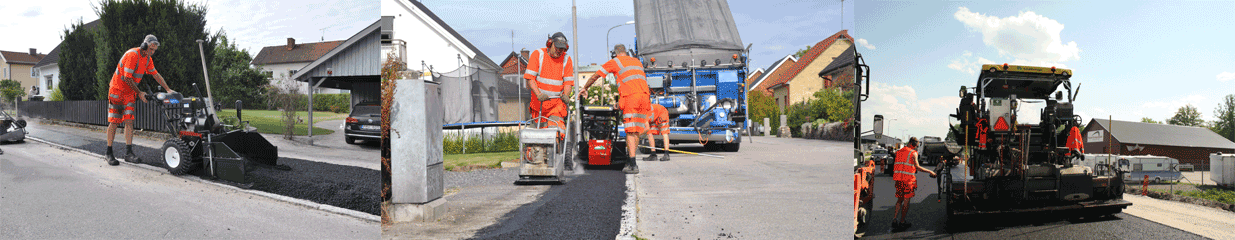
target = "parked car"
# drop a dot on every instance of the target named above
(883, 159)
(364, 123)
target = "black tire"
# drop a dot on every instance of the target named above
(711, 146)
(733, 147)
(349, 140)
(177, 158)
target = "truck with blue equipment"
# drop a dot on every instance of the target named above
(696, 68)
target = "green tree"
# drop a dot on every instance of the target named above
(837, 105)
(10, 90)
(762, 105)
(124, 23)
(1149, 120)
(1225, 113)
(77, 63)
(1187, 116)
(801, 52)
(233, 79)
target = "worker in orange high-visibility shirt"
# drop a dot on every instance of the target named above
(550, 75)
(659, 126)
(634, 99)
(905, 176)
(1075, 145)
(122, 95)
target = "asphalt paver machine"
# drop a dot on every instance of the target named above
(863, 166)
(1016, 167)
(201, 140)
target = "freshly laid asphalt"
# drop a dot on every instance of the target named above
(342, 186)
(587, 206)
(929, 221)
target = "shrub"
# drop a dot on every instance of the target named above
(56, 95)
(500, 142)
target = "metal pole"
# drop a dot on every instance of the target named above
(205, 70)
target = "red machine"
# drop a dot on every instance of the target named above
(599, 126)
(598, 152)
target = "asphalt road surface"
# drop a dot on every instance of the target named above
(344, 186)
(929, 221)
(587, 206)
(49, 193)
(773, 188)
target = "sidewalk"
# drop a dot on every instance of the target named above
(1208, 222)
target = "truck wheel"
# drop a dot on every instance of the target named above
(711, 146)
(177, 158)
(733, 147)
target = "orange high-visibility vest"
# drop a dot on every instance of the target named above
(132, 65)
(904, 170)
(551, 76)
(1074, 141)
(631, 79)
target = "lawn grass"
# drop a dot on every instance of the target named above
(1215, 194)
(271, 122)
(493, 159)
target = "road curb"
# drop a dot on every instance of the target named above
(301, 202)
(630, 209)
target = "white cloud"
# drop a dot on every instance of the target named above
(862, 42)
(1027, 37)
(968, 64)
(902, 110)
(1226, 76)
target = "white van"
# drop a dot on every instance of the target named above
(1158, 168)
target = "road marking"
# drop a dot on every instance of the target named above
(304, 203)
(630, 209)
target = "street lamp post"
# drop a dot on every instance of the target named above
(607, 47)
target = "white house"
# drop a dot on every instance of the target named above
(48, 69)
(283, 61)
(433, 43)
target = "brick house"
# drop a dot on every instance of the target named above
(791, 86)
(1188, 144)
(776, 69)
(514, 95)
(283, 61)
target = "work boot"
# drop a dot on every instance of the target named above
(631, 167)
(665, 158)
(111, 160)
(130, 157)
(650, 158)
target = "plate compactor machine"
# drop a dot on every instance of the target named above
(1016, 167)
(545, 150)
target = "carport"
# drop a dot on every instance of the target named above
(354, 65)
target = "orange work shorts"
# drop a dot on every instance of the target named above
(636, 111)
(121, 106)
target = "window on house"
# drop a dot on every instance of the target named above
(49, 85)
(32, 73)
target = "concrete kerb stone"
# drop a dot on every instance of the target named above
(276, 197)
(630, 209)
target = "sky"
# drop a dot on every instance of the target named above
(775, 27)
(250, 24)
(1133, 59)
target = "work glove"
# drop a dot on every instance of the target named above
(542, 96)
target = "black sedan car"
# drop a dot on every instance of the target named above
(364, 123)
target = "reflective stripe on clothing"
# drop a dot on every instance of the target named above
(551, 78)
(121, 107)
(904, 169)
(631, 79)
(131, 65)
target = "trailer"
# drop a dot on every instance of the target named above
(1156, 168)
(1222, 168)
